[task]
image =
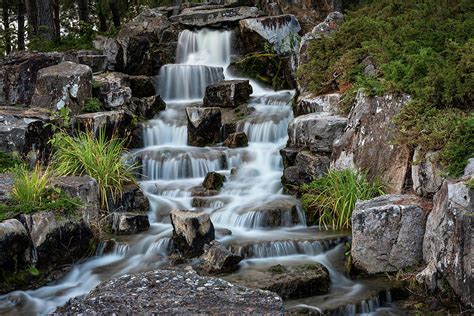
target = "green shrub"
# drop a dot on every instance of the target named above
(331, 199)
(8, 161)
(92, 105)
(98, 157)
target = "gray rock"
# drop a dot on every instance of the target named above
(307, 167)
(112, 89)
(191, 231)
(236, 140)
(387, 233)
(200, 18)
(97, 63)
(15, 247)
(6, 185)
(469, 170)
(129, 223)
(276, 213)
(217, 259)
(171, 293)
(132, 200)
(369, 133)
(289, 156)
(448, 241)
(142, 86)
(307, 103)
(66, 84)
(426, 174)
(315, 131)
(204, 125)
(227, 94)
(213, 181)
(111, 122)
(109, 47)
(330, 24)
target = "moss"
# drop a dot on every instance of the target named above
(278, 269)
(9, 161)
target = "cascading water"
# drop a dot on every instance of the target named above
(245, 205)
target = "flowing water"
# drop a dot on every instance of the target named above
(244, 205)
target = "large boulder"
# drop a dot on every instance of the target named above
(307, 103)
(218, 259)
(387, 233)
(204, 125)
(426, 174)
(227, 94)
(215, 17)
(173, 293)
(448, 241)
(368, 143)
(66, 84)
(112, 89)
(129, 223)
(191, 231)
(18, 74)
(15, 247)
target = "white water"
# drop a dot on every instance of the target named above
(171, 169)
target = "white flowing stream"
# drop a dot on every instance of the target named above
(172, 169)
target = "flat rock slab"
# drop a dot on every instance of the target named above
(164, 292)
(201, 18)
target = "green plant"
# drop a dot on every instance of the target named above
(98, 157)
(92, 105)
(31, 187)
(8, 161)
(60, 119)
(470, 183)
(332, 198)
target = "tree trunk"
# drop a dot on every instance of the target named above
(6, 26)
(102, 22)
(32, 14)
(83, 7)
(115, 12)
(21, 25)
(47, 24)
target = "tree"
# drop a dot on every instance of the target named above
(115, 12)
(21, 25)
(83, 8)
(48, 19)
(6, 26)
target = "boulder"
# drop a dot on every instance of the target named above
(191, 231)
(204, 125)
(276, 213)
(18, 74)
(307, 103)
(426, 174)
(369, 133)
(109, 47)
(227, 94)
(236, 140)
(132, 200)
(129, 223)
(25, 131)
(280, 33)
(448, 241)
(66, 84)
(213, 181)
(387, 233)
(142, 86)
(315, 131)
(217, 259)
(111, 122)
(112, 89)
(144, 108)
(469, 170)
(215, 17)
(97, 63)
(307, 167)
(15, 247)
(173, 293)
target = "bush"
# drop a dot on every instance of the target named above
(92, 105)
(98, 157)
(8, 161)
(331, 199)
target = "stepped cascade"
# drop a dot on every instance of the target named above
(247, 204)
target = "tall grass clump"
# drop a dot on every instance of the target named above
(96, 156)
(31, 186)
(332, 198)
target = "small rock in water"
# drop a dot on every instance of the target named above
(213, 181)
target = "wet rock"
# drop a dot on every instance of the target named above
(191, 231)
(129, 223)
(448, 239)
(213, 181)
(387, 233)
(370, 131)
(315, 131)
(111, 122)
(425, 174)
(25, 131)
(112, 89)
(278, 32)
(144, 108)
(109, 47)
(66, 84)
(15, 247)
(204, 126)
(142, 86)
(277, 213)
(215, 17)
(228, 93)
(217, 259)
(97, 63)
(200, 191)
(18, 74)
(308, 103)
(132, 200)
(289, 156)
(236, 140)
(172, 292)
(6, 185)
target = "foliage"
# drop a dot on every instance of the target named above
(470, 183)
(92, 105)
(98, 157)
(332, 198)
(61, 120)
(31, 187)
(8, 161)
(78, 39)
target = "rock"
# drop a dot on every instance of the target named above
(227, 94)
(85, 188)
(387, 233)
(25, 131)
(425, 174)
(15, 247)
(132, 200)
(236, 140)
(191, 231)
(66, 84)
(215, 17)
(448, 239)
(172, 292)
(204, 125)
(112, 89)
(110, 122)
(146, 43)
(278, 32)
(276, 213)
(97, 63)
(428, 277)
(6, 185)
(469, 170)
(217, 259)
(129, 223)
(370, 131)
(307, 103)
(109, 47)
(199, 191)
(142, 86)
(308, 166)
(58, 240)
(18, 74)
(145, 108)
(213, 181)
(315, 131)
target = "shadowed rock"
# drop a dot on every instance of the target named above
(129, 223)
(204, 125)
(217, 259)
